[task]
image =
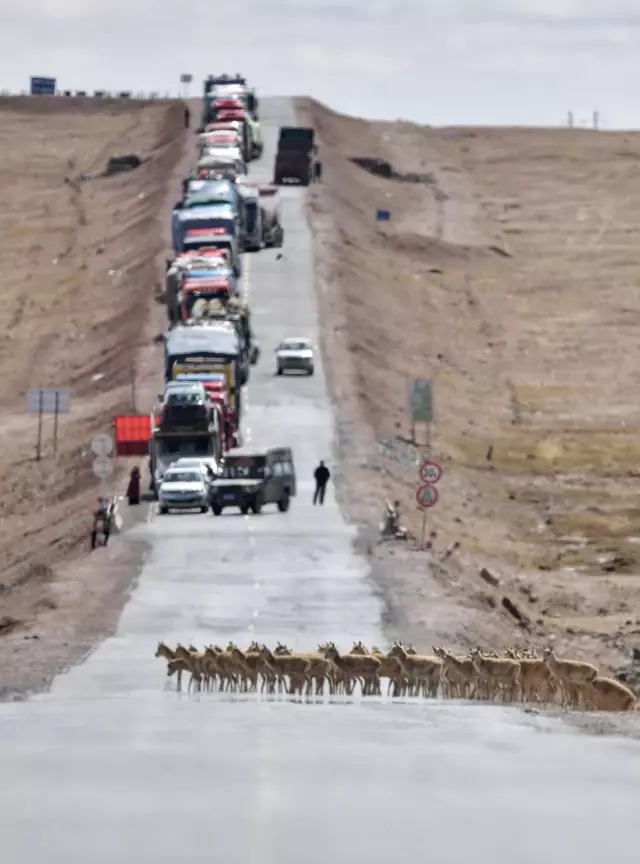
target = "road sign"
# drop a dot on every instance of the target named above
(186, 78)
(103, 467)
(42, 400)
(42, 86)
(421, 400)
(430, 472)
(102, 445)
(427, 496)
(383, 215)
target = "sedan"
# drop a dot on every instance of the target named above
(184, 489)
(295, 354)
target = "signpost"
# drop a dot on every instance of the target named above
(185, 79)
(430, 472)
(103, 465)
(421, 406)
(102, 445)
(43, 401)
(427, 494)
(39, 86)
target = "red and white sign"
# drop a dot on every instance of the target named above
(430, 472)
(427, 496)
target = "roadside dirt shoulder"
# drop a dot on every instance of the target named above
(502, 276)
(82, 257)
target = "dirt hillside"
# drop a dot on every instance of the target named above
(79, 257)
(508, 275)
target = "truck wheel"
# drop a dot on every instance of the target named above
(256, 504)
(283, 503)
(244, 509)
(204, 509)
(164, 510)
(216, 509)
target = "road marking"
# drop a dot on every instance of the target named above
(151, 512)
(245, 278)
(246, 284)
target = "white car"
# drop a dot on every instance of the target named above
(295, 354)
(184, 489)
(211, 467)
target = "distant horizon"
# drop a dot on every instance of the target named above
(581, 124)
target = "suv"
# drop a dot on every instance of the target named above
(253, 478)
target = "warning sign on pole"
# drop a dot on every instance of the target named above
(430, 472)
(427, 496)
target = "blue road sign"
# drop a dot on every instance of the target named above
(383, 215)
(43, 86)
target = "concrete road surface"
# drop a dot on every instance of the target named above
(113, 767)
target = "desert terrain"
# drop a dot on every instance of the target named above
(81, 261)
(508, 275)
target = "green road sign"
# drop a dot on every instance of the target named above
(421, 400)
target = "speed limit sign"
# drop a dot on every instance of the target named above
(430, 472)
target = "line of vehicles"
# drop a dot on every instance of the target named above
(193, 437)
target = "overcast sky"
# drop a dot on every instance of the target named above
(433, 61)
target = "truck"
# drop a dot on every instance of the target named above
(272, 230)
(215, 226)
(230, 86)
(253, 217)
(295, 156)
(216, 346)
(216, 386)
(167, 446)
(224, 85)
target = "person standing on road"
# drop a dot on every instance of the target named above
(187, 117)
(133, 489)
(322, 476)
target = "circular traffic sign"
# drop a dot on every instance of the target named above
(102, 445)
(103, 467)
(430, 472)
(427, 496)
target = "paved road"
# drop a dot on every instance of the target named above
(112, 767)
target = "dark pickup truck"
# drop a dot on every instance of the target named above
(296, 155)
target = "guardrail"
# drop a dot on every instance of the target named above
(140, 95)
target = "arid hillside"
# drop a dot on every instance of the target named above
(78, 257)
(509, 275)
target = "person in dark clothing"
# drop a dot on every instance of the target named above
(101, 521)
(322, 476)
(187, 117)
(133, 489)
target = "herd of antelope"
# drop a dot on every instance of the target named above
(519, 676)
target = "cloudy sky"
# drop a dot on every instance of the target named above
(433, 61)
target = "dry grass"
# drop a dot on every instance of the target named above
(509, 278)
(79, 273)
